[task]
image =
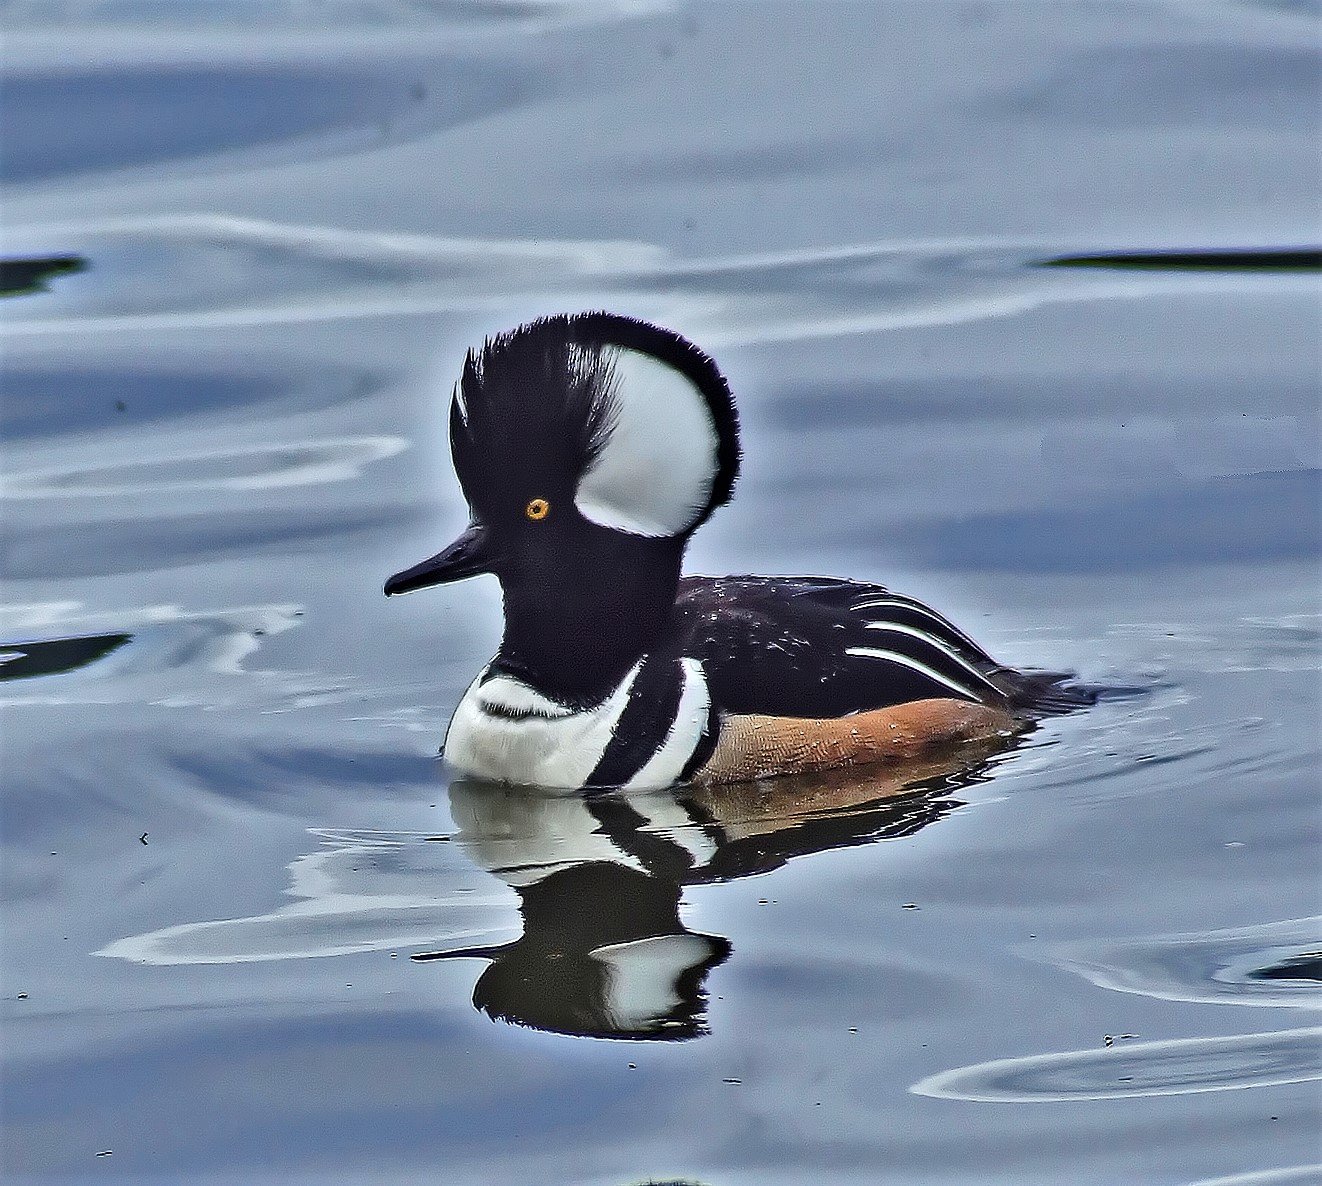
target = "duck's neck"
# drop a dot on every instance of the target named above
(576, 644)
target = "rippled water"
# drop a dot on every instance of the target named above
(252, 929)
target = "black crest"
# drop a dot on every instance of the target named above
(538, 401)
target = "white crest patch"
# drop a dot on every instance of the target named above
(655, 475)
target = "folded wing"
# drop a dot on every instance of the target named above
(818, 647)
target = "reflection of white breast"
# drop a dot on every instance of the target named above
(525, 837)
(505, 731)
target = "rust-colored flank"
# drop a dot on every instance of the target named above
(760, 746)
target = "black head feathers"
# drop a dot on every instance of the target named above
(630, 422)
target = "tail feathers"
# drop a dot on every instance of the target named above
(1044, 693)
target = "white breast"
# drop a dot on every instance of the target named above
(505, 731)
(553, 746)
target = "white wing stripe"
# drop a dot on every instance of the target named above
(949, 652)
(917, 607)
(913, 665)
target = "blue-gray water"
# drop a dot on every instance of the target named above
(1093, 959)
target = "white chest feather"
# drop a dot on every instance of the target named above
(505, 731)
(528, 739)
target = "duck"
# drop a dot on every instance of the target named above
(590, 447)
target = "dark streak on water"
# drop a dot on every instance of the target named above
(22, 277)
(1303, 967)
(1224, 260)
(24, 660)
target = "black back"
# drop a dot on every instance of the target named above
(782, 646)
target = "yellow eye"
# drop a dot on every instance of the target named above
(537, 510)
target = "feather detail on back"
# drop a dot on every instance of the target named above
(815, 647)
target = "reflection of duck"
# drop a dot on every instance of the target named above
(590, 448)
(604, 951)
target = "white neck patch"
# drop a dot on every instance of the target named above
(655, 475)
(544, 748)
(506, 696)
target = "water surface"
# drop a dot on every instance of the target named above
(256, 248)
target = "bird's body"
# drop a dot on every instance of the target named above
(590, 448)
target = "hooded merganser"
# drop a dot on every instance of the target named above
(590, 447)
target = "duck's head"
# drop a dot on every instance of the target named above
(588, 446)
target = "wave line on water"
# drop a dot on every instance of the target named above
(1175, 1066)
(922, 283)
